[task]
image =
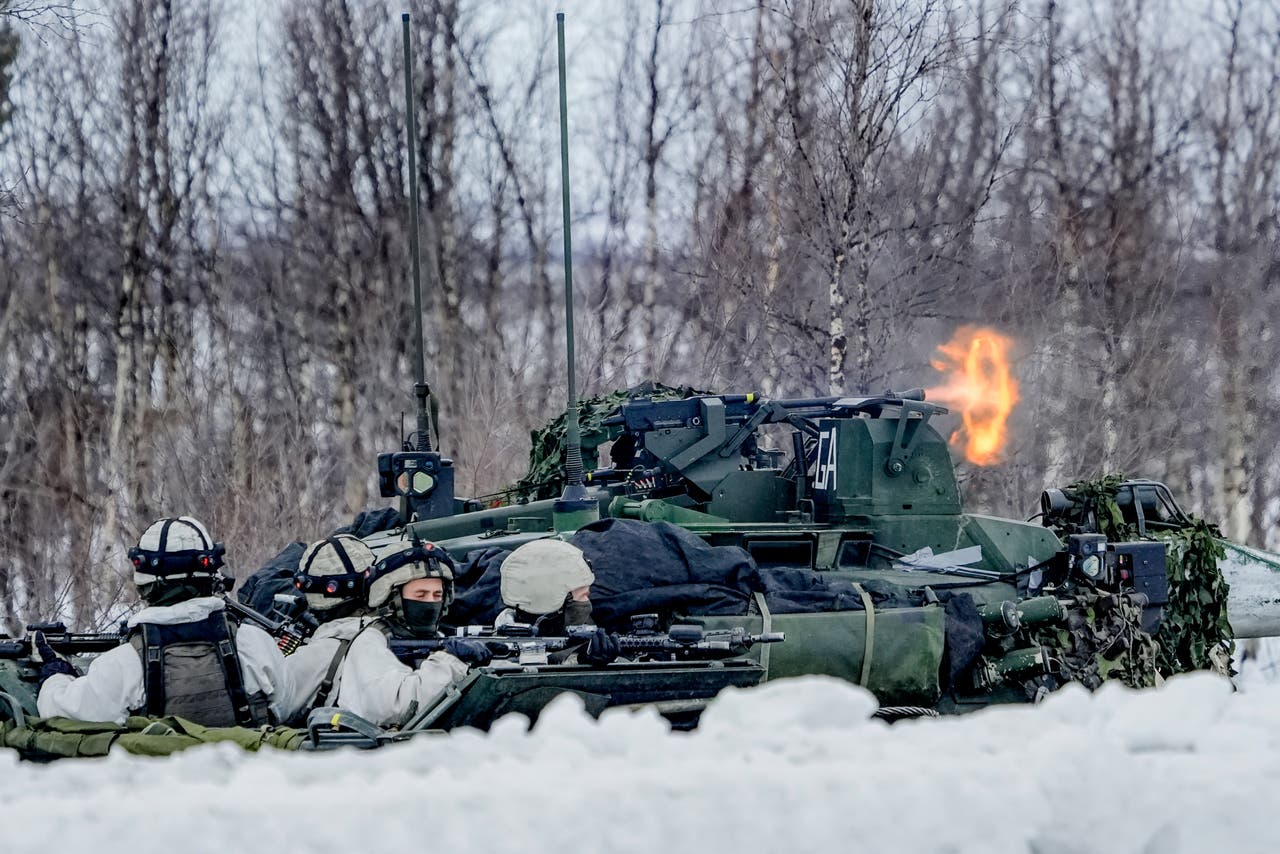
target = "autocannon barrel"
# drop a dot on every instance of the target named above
(646, 414)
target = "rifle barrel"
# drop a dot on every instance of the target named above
(69, 644)
(713, 644)
(261, 620)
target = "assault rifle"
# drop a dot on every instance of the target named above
(288, 627)
(290, 624)
(62, 641)
(681, 643)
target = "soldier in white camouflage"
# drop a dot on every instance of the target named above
(186, 655)
(547, 584)
(409, 591)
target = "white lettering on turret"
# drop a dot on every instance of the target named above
(824, 477)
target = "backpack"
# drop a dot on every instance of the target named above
(193, 670)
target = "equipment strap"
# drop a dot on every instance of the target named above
(235, 680)
(869, 608)
(766, 626)
(10, 703)
(153, 673)
(342, 556)
(164, 535)
(322, 695)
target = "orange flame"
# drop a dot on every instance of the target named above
(980, 384)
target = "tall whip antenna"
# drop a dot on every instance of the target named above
(420, 388)
(574, 508)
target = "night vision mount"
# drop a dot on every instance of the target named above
(422, 480)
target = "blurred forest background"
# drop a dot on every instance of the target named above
(204, 299)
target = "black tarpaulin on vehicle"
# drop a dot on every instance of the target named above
(965, 633)
(369, 522)
(275, 576)
(790, 590)
(657, 567)
(477, 600)
(640, 568)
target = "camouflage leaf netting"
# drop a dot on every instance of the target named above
(1194, 633)
(546, 454)
(1102, 639)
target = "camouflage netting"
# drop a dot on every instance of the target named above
(546, 454)
(1102, 639)
(1194, 632)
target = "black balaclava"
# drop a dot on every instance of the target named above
(422, 618)
(577, 613)
(411, 618)
(554, 624)
(343, 608)
(164, 592)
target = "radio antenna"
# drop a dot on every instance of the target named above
(574, 508)
(420, 388)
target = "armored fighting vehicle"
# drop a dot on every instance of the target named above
(861, 552)
(855, 547)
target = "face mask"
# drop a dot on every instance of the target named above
(164, 593)
(577, 613)
(421, 618)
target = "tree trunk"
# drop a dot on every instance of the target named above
(838, 342)
(649, 294)
(862, 314)
(1240, 426)
(1061, 357)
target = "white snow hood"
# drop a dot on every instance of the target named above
(188, 611)
(792, 766)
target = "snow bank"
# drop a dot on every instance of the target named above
(1256, 661)
(793, 766)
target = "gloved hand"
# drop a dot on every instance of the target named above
(601, 649)
(472, 652)
(50, 662)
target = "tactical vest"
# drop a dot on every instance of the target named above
(193, 670)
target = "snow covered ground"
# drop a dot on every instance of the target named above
(792, 766)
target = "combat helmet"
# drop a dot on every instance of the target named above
(177, 559)
(410, 561)
(538, 577)
(334, 574)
